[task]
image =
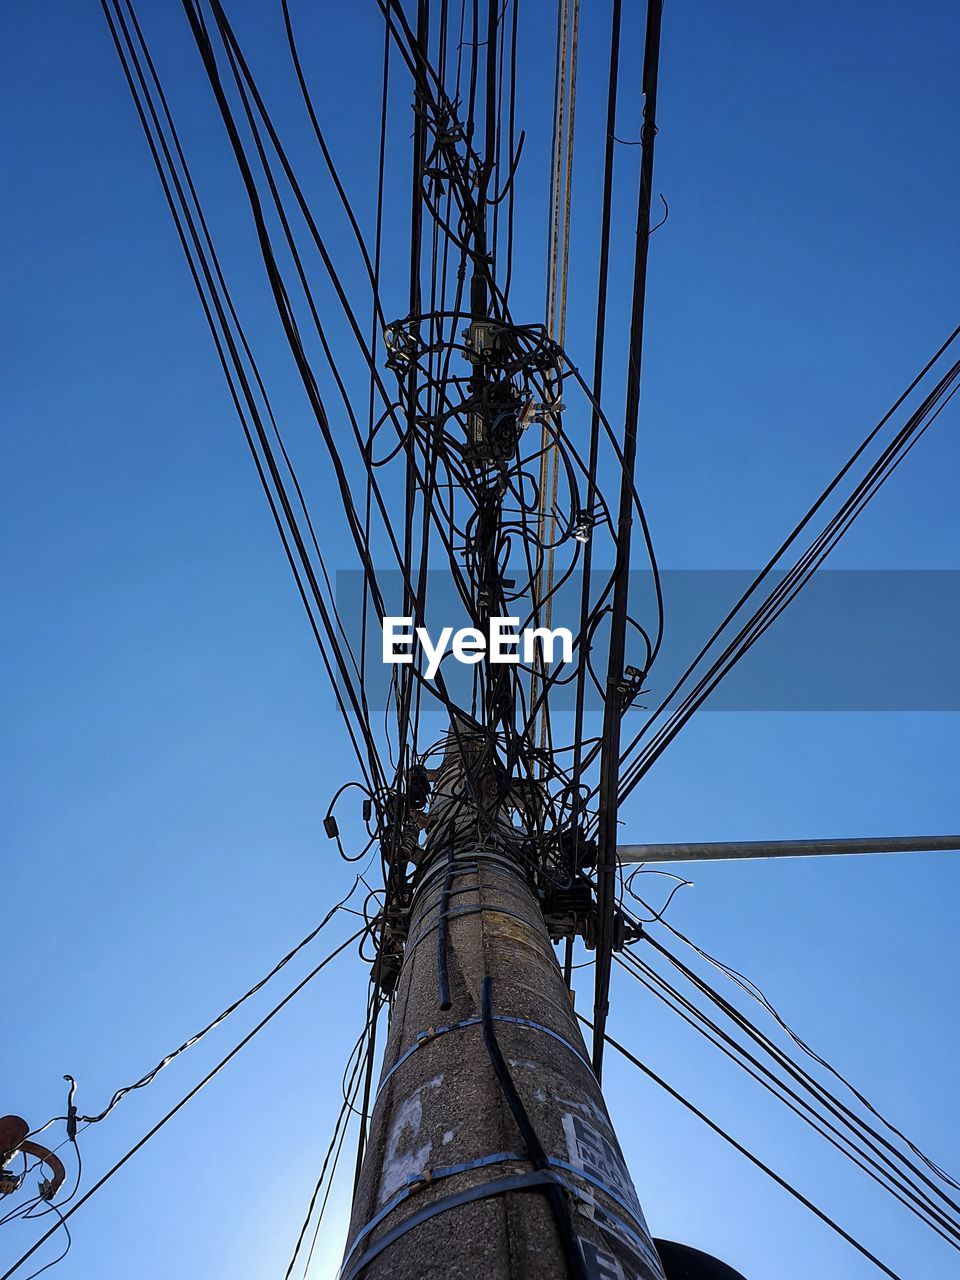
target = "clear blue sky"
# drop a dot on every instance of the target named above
(169, 745)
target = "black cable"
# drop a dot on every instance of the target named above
(334, 1148)
(755, 1160)
(114, 1168)
(151, 1075)
(219, 311)
(66, 1248)
(755, 993)
(905, 1192)
(613, 708)
(803, 569)
(864, 1130)
(443, 978)
(534, 1147)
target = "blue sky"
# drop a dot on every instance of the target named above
(169, 745)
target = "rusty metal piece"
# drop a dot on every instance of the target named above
(49, 1186)
(14, 1142)
(13, 1131)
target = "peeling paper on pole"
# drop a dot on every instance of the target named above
(403, 1158)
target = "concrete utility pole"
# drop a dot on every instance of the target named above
(490, 1153)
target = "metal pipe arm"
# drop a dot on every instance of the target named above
(724, 851)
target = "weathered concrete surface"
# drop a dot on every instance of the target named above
(443, 1106)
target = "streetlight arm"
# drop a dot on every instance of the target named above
(723, 851)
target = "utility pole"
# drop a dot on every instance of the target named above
(490, 1151)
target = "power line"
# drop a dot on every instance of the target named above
(754, 1160)
(214, 1071)
(841, 1130)
(444, 468)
